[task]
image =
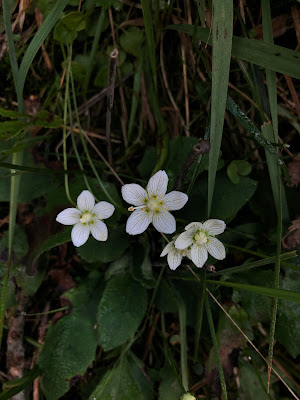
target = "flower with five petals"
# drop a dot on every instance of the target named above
(152, 205)
(200, 238)
(87, 218)
(174, 255)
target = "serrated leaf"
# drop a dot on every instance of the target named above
(121, 311)
(12, 114)
(118, 384)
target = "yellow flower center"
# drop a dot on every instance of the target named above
(86, 218)
(201, 238)
(154, 204)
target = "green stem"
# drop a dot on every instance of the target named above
(199, 317)
(216, 348)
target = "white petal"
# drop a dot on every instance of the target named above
(86, 201)
(216, 248)
(174, 259)
(99, 230)
(69, 216)
(184, 240)
(199, 255)
(164, 222)
(194, 226)
(174, 200)
(158, 184)
(169, 247)
(80, 234)
(134, 194)
(214, 226)
(103, 210)
(138, 222)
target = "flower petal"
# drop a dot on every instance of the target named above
(194, 226)
(216, 248)
(134, 194)
(138, 222)
(169, 247)
(103, 210)
(174, 259)
(184, 240)
(174, 200)
(199, 255)
(85, 201)
(158, 184)
(214, 226)
(69, 216)
(80, 234)
(164, 222)
(99, 230)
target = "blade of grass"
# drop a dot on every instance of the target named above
(199, 315)
(37, 41)
(266, 55)
(221, 55)
(280, 294)
(135, 94)
(216, 347)
(150, 38)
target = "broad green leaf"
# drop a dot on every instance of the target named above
(131, 40)
(20, 246)
(10, 129)
(108, 251)
(12, 114)
(169, 388)
(63, 34)
(118, 384)
(71, 343)
(221, 53)
(74, 21)
(137, 369)
(236, 168)
(266, 55)
(121, 311)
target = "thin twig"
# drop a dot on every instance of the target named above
(113, 59)
(201, 147)
(186, 90)
(92, 134)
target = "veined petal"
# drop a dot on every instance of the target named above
(216, 248)
(103, 210)
(134, 194)
(169, 247)
(214, 226)
(158, 184)
(194, 226)
(174, 200)
(174, 259)
(164, 222)
(69, 216)
(184, 240)
(199, 255)
(85, 201)
(99, 230)
(80, 234)
(138, 221)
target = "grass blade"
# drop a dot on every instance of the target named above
(222, 42)
(135, 94)
(199, 317)
(216, 348)
(266, 55)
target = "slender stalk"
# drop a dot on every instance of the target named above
(216, 348)
(199, 317)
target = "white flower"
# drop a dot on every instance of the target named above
(87, 218)
(174, 255)
(152, 205)
(200, 238)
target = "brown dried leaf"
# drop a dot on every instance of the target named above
(292, 238)
(294, 171)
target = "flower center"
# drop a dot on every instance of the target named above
(200, 238)
(86, 218)
(154, 204)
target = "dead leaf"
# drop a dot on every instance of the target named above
(292, 238)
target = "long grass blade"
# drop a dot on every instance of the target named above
(222, 42)
(266, 55)
(135, 94)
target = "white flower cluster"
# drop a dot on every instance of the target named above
(195, 243)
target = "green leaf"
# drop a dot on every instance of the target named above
(63, 34)
(118, 384)
(15, 386)
(131, 40)
(266, 55)
(105, 252)
(74, 21)
(221, 53)
(12, 114)
(236, 168)
(137, 369)
(121, 311)
(20, 245)
(45, 119)
(288, 316)
(169, 388)
(71, 343)
(141, 266)
(10, 129)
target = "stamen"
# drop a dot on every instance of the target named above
(135, 208)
